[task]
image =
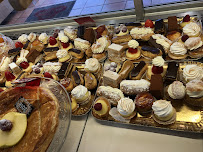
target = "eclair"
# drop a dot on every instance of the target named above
(77, 78)
(141, 33)
(151, 52)
(138, 71)
(76, 53)
(126, 68)
(121, 39)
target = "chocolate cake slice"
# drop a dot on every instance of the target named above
(156, 87)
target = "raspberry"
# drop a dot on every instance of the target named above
(52, 40)
(186, 18)
(133, 51)
(24, 65)
(98, 106)
(9, 76)
(18, 45)
(65, 45)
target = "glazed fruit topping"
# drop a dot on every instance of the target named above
(1, 40)
(36, 70)
(1, 90)
(184, 38)
(186, 18)
(157, 69)
(24, 65)
(65, 45)
(52, 41)
(18, 45)
(48, 75)
(65, 82)
(133, 51)
(9, 76)
(149, 23)
(98, 106)
(124, 29)
(6, 125)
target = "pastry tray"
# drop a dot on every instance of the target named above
(84, 109)
(188, 118)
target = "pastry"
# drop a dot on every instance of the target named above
(121, 39)
(172, 23)
(141, 33)
(115, 52)
(143, 103)
(175, 91)
(90, 81)
(50, 53)
(163, 112)
(138, 71)
(112, 94)
(22, 57)
(65, 45)
(63, 55)
(32, 56)
(6, 44)
(92, 65)
(37, 69)
(172, 72)
(37, 45)
(192, 29)
(14, 52)
(113, 66)
(133, 87)
(52, 42)
(26, 66)
(67, 83)
(194, 44)
(90, 35)
(81, 94)
(43, 38)
(101, 107)
(64, 70)
(194, 92)
(156, 87)
(126, 69)
(4, 65)
(15, 69)
(81, 44)
(131, 25)
(157, 67)
(191, 72)
(101, 31)
(177, 51)
(133, 51)
(186, 20)
(51, 76)
(126, 108)
(77, 78)
(111, 78)
(197, 53)
(31, 38)
(52, 67)
(23, 39)
(81, 31)
(89, 52)
(76, 53)
(173, 35)
(151, 52)
(71, 33)
(121, 30)
(159, 27)
(74, 105)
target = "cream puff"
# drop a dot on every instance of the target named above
(64, 43)
(92, 65)
(177, 51)
(133, 51)
(195, 47)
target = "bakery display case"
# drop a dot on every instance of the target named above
(137, 70)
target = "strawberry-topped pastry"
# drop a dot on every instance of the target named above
(133, 51)
(149, 23)
(9, 78)
(52, 42)
(157, 67)
(186, 20)
(23, 39)
(4, 65)
(65, 45)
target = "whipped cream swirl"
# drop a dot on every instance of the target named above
(176, 90)
(92, 64)
(162, 108)
(52, 67)
(162, 40)
(192, 29)
(133, 44)
(158, 61)
(23, 38)
(125, 106)
(178, 48)
(43, 38)
(79, 92)
(193, 43)
(32, 37)
(61, 54)
(194, 88)
(64, 39)
(191, 72)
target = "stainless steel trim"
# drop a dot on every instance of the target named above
(139, 9)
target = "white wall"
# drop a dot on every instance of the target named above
(5, 9)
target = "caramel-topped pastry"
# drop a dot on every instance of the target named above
(138, 71)
(126, 68)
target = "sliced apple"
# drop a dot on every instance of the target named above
(12, 137)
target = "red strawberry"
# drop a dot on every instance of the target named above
(48, 75)
(98, 106)
(186, 18)
(65, 45)
(133, 51)
(19, 45)
(1, 90)
(149, 23)
(33, 83)
(184, 38)
(157, 69)
(24, 65)
(52, 40)
(9, 76)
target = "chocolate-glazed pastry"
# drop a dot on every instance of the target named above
(81, 31)
(160, 27)
(151, 52)
(138, 71)
(172, 71)
(63, 71)
(32, 55)
(90, 35)
(173, 23)
(77, 78)
(13, 52)
(51, 49)
(76, 53)
(67, 83)
(27, 45)
(156, 87)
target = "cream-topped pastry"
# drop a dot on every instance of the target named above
(193, 71)
(23, 38)
(62, 55)
(43, 38)
(121, 30)
(125, 107)
(92, 65)
(32, 37)
(52, 67)
(133, 44)
(64, 39)
(176, 90)
(163, 109)
(70, 32)
(81, 44)
(22, 58)
(163, 41)
(5, 63)
(104, 42)
(141, 31)
(97, 48)
(194, 88)
(158, 61)
(192, 29)
(193, 43)
(178, 48)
